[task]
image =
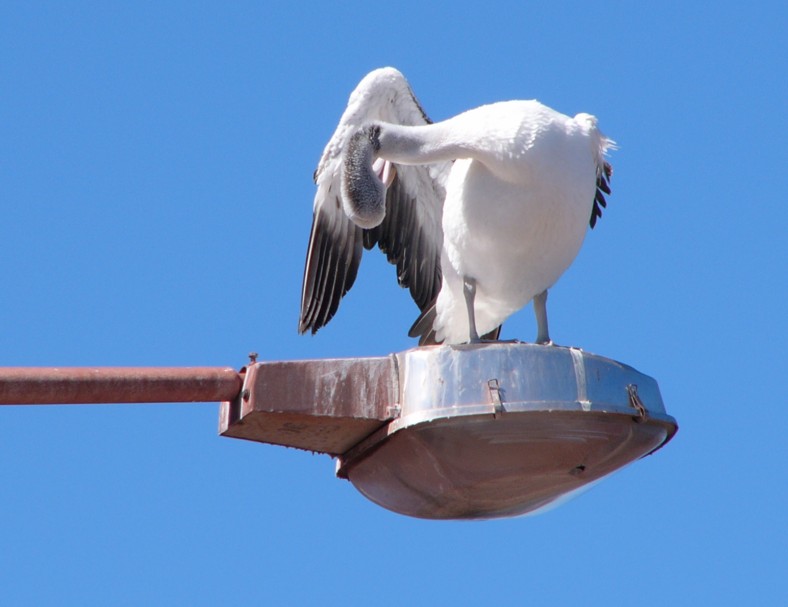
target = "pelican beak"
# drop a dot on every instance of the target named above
(385, 171)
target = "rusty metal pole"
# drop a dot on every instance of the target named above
(92, 385)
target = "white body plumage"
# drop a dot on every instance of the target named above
(516, 210)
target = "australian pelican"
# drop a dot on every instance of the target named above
(481, 213)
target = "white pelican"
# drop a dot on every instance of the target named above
(481, 213)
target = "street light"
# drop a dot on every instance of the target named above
(486, 430)
(459, 432)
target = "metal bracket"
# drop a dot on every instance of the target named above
(636, 403)
(495, 397)
(393, 411)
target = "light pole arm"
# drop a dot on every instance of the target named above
(91, 385)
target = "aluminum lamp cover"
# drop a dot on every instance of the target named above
(502, 429)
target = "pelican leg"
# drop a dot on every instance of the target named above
(469, 292)
(540, 309)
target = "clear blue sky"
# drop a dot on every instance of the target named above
(156, 194)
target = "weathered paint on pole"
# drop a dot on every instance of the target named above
(93, 385)
(325, 406)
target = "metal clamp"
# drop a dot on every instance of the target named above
(495, 397)
(636, 403)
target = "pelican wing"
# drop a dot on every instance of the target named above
(410, 235)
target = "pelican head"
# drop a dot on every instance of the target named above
(365, 178)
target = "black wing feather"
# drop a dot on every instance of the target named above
(332, 261)
(334, 256)
(602, 185)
